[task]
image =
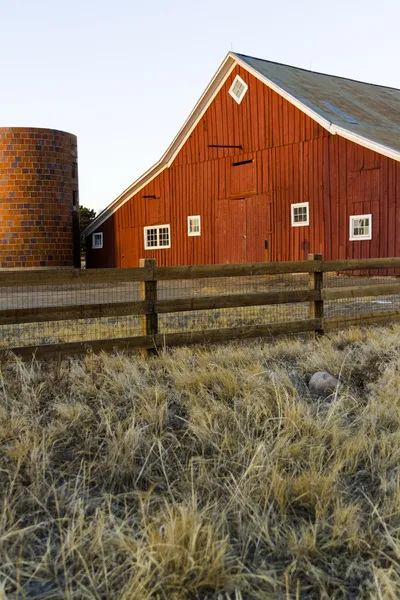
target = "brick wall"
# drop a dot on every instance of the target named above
(38, 189)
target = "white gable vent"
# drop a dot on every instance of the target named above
(238, 89)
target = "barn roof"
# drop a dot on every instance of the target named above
(364, 113)
(368, 110)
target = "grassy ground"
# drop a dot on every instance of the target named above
(204, 473)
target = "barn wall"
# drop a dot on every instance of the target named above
(244, 195)
(362, 182)
(104, 257)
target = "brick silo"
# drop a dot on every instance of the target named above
(39, 206)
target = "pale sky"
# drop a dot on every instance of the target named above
(123, 75)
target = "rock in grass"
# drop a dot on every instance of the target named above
(323, 383)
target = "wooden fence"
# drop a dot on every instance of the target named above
(150, 306)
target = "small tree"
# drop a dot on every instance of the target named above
(86, 216)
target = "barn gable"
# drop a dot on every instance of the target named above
(364, 113)
(246, 172)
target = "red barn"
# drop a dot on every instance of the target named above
(274, 162)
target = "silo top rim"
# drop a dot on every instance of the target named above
(35, 130)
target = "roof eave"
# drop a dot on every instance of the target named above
(124, 197)
(366, 143)
(173, 149)
(328, 125)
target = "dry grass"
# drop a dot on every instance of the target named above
(204, 473)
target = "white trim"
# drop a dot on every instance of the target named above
(366, 143)
(216, 83)
(355, 238)
(126, 195)
(227, 66)
(157, 228)
(194, 233)
(100, 245)
(245, 88)
(328, 125)
(300, 223)
(200, 116)
(292, 99)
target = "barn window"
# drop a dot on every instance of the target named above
(157, 237)
(361, 227)
(300, 214)
(194, 225)
(238, 89)
(97, 240)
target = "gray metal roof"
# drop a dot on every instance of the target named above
(368, 110)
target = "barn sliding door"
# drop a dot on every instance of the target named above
(242, 226)
(230, 231)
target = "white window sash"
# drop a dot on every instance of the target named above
(231, 92)
(157, 228)
(300, 223)
(97, 236)
(356, 237)
(194, 219)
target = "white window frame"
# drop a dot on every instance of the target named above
(300, 223)
(99, 245)
(246, 87)
(194, 233)
(355, 238)
(157, 227)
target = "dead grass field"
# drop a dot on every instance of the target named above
(204, 473)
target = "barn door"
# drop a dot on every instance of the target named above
(129, 256)
(230, 231)
(258, 227)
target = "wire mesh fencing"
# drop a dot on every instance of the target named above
(237, 316)
(116, 305)
(374, 303)
(28, 301)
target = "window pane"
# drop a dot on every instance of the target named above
(238, 88)
(361, 227)
(194, 224)
(157, 237)
(300, 214)
(97, 240)
(163, 236)
(151, 238)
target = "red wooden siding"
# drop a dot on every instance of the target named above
(243, 176)
(107, 255)
(284, 158)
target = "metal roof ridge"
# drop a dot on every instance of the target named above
(388, 87)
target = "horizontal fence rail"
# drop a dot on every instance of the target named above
(81, 277)
(54, 293)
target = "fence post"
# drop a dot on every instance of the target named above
(315, 282)
(148, 293)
